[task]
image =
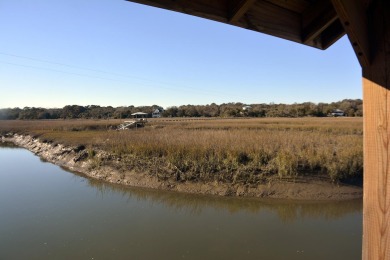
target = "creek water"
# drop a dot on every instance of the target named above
(49, 213)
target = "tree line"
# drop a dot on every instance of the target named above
(350, 107)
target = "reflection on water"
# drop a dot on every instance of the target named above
(48, 213)
(286, 210)
(7, 144)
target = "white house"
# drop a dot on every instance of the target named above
(156, 113)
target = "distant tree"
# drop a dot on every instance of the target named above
(351, 107)
(73, 111)
(9, 113)
(170, 112)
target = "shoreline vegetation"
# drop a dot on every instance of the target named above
(297, 158)
(349, 107)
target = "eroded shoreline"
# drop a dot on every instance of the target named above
(77, 159)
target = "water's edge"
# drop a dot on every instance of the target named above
(76, 159)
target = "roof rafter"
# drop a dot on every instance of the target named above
(238, 8)
(316, 19)
(332, 34)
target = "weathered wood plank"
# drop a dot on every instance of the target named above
(352, 14)
(376, 95)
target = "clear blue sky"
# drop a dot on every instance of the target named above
(112, 52)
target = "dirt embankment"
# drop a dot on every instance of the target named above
(81, 160)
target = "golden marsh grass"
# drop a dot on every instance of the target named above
(232, 150)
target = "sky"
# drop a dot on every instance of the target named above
(117, 53)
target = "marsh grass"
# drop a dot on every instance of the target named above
(229, 150)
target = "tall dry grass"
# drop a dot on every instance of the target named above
(230, 150)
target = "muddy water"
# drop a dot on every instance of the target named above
(48, 213)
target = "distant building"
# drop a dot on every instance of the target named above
(156, 113)
(139, 115)
(337, 112)
(245, 108)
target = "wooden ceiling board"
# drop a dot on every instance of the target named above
(274, 20)
(298, 6)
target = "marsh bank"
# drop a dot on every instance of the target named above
(107, 167)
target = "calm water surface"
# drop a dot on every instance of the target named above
(48, 213)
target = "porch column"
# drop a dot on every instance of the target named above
(376, 112)
(367, 24)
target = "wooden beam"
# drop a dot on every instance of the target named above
(376, 107)
(316, 19)
(238, 9)
(332, 34)
(376, 219)
(352, 14)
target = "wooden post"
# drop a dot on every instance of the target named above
(367, 24)
(376, 97)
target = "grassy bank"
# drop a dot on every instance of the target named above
(229, 150)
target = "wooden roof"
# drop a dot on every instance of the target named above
(311, 22)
